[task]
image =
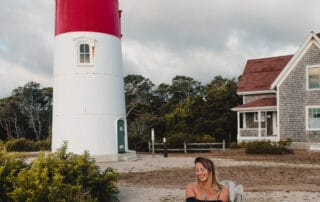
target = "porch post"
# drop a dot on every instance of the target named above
(244, 121)
(238, 123)
(259, 124)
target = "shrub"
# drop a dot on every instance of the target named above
(10, 166)
(285, 143)
(61, 176)
(266, 147)
(235, 145)
(137, 143)
(206, 138)
(23, 144)
(179, 138)
(42, 145)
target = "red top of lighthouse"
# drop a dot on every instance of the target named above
(87, 15)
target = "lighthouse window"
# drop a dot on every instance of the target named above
(84, 51)
(84, 54)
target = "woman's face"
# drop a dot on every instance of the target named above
(201, 172)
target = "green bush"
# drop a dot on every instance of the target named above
(2, 144)
(285, 143)
(179, 138)
(42, 145)
(23, 144)
(235, 145)
(10, 167)
(266, 147)
(59, 176)
(205, 138)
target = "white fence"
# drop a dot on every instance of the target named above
(185, 147)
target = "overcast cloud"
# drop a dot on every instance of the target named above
(162, 38)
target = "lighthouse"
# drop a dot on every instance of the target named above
(88, 91)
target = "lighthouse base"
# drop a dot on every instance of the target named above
(130, 155)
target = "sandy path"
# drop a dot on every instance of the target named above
(137, 194)
(149, 163)
(158, 162)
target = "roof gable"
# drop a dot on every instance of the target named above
(259, 74)
(311, 39)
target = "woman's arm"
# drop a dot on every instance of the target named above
(190, 190)
(224, 194)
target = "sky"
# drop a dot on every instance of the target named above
(162, 38)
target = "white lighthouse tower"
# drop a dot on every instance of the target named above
(88, 92)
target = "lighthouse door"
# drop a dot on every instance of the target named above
(120, 131)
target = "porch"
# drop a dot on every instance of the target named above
(257, 121)
(257, 126)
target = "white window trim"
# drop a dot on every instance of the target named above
(307, 77)
(84, 40)
(307, 118)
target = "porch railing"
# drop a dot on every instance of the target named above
(252, 134)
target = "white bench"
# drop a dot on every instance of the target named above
(235, 190)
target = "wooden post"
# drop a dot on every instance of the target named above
(223, 145)
(185, 147)
(259, 124)
(165, 151)
(152, 140)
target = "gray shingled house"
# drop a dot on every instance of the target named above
(281, 97)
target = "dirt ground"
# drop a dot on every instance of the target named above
(253, 178)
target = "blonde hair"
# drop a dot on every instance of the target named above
(213, 177)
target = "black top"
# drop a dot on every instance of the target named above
(193, 199)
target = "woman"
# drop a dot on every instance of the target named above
(207, 188)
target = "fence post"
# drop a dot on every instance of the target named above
(223, 145)
(152, 139)
(165, 151)
(185, 147)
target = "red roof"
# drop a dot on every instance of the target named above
(88, 15)
(263, 102)
(260, 73)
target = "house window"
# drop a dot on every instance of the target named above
(313, 118)
(313, 78)
(84, 51)
(256, 119)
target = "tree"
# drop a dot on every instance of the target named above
(162, 93)
(27, 112)
(138, 92)
(183, 87)
(11, 119)
(221, 96)
(139, 99)
(32, 103)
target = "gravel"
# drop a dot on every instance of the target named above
(157, 162)
(138, 194)
(146, 163)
